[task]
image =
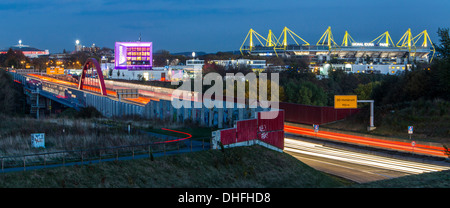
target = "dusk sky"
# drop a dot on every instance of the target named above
(206, 25)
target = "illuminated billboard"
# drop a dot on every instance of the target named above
(133, 55)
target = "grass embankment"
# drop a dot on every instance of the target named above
(427, 180)
(431, 121)
(237, 167)
(63, 134)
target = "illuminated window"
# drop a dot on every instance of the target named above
(398, 67)
(138, 58)
(393, 72)
(403, 68)
(393, 67)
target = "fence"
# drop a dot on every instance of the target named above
(80, 157)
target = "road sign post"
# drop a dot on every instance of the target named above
(316, 128)
(410, 131)
(371, 125)
(38, 140)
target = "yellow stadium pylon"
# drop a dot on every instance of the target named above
(284, 34)
(327, 39)
(406, 40)
(249, 36)
(347, 39)
(387, 39)
(425, 44)
(272, 40)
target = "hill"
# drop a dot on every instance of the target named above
(253, 167)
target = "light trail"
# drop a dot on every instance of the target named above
(317, 150)
(175, 140)
(395, 145)
(141, 100)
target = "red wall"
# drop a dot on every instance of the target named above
(307, 114)
(246, 130)
(228, 136)
(270, 131)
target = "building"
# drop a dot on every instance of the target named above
(133, 55)
(254, 64)
(28, 51)
(381, 55)
(391, 69)
(192, 68)
(79, 47)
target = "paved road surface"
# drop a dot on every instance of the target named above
(358, 167)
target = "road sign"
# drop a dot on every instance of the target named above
(413, 143)
(345, 101)
(316, 127)
(410, 129)
(38, 140)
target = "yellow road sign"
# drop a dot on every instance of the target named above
(345, 101)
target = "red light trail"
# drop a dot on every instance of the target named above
(176, 140)
(396, 145)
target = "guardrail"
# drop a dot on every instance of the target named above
(97, 155)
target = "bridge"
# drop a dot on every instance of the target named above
(118, 99)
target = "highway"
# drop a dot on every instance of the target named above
(366, 141)
(354, 166)
(111, 93)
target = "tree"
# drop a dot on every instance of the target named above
(304, 95)
(15, 58)
(444, 47)
(40, 63)
(291, 91)
(364, 91)
(8, 94)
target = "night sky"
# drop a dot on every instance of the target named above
(208, 25)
